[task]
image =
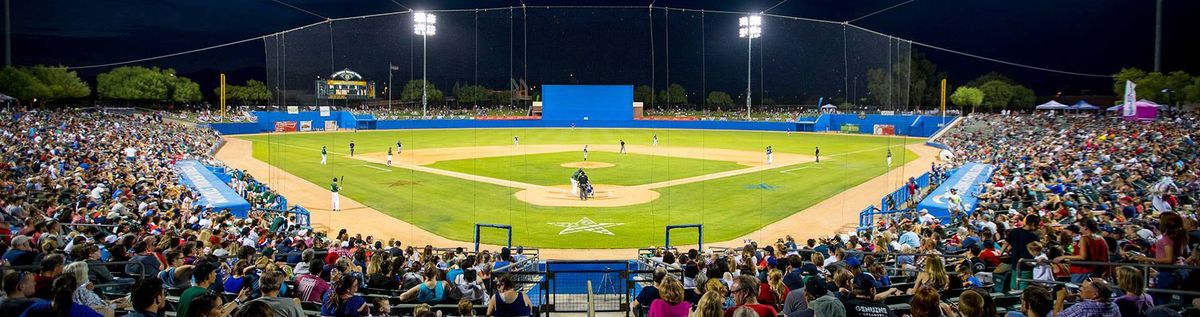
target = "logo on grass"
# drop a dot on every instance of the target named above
(585, 224)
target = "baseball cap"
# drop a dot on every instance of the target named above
(852, 261)
(863, 282)
(19, 240)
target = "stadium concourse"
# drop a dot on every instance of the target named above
(97, 225)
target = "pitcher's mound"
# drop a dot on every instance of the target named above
(587, 165)
(605, 196)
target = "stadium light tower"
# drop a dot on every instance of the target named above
(424, 25)
(749, 28)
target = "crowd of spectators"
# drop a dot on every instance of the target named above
(1077, 215)
(95, 223)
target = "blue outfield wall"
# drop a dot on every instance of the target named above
(909, 125)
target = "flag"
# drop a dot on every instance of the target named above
(1130, 99)
(393, 67)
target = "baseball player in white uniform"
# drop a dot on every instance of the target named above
(389, 160)
(516, 140)
(323, 155)
(889, 158)
(585, 153)
(334, 204)
(769, 158)
(655, 140)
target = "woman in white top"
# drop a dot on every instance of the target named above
(86, 297)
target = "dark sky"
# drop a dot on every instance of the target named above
(611, 46)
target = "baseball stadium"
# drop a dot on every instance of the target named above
(653, 159)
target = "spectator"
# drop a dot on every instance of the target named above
(863, 304)
(84, 294)
(1036, 301)
(1171, 248)
(466, 308)
(255, 309)
(471, 287)
(928, 302)
(431, 290)
(309, 286)
(745, 294)
(970, 304)
(773, 292)
(671, 303)
(1090, 247)
(20, 252)
(148, 298)
(1135, 302)
(271, 285)
(209, 305)
(50, 268)
(18, 291)
(1094, 295)
(820, 300)
(341, 301)
(508, 302)
(712, 304)
(933, 275)
(649, 293)
(61, 304)
(205, 275)
(145, 263)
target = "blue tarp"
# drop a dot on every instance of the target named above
(967, 180)
(213, 192)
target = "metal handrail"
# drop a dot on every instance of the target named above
(1142, 266)
(34, 268)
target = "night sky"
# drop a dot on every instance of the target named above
(592, 46)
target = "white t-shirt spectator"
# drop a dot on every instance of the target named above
(130, 152)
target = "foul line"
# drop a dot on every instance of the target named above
(375, 167)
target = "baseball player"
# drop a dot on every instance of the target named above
(585, 152)
(769, 158)
(818, 154)
(333, 188)
(389, 161)
(351, 147)
(655, 140)
(575, 182)
(516, 140)
(622, 146)
(399, 147)
(323, 155)
(889, 158)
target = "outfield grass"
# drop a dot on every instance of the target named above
(729, 207)
(545, 169)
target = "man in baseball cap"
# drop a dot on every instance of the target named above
(21, 252)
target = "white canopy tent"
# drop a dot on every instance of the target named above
(1052, 105)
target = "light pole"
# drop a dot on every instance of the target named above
(749, 28)
(423, 25)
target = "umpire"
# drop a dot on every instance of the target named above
(583, 184)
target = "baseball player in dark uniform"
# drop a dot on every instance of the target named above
(351, 148)
(622, 146)
(583, 185)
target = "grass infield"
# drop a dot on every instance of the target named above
(729, 207)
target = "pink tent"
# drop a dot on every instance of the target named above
(1146, 110)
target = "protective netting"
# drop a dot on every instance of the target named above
(511, 52)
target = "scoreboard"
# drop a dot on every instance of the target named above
(345, 84)
(345, 89)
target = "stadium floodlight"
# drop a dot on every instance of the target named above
(424, 25)
(749, 28)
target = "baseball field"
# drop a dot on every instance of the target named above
(446, 181)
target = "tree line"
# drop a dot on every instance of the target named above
(42, 84)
